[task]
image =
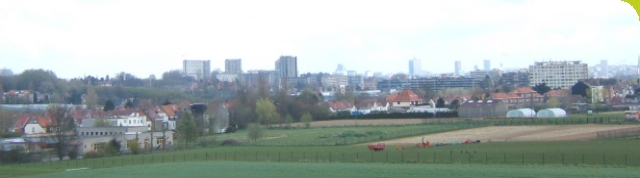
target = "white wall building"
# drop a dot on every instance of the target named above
(198, 69)
(558, 74)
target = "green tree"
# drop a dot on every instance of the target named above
(440, 103)
(128, 104)
(112, 148)
(101, 122)
(109, 106)
(589, 96)
(187, 128)
(255, 132)
(541, 88)
(63, 131)
(455, 104)
(553, 103)
(306, 119)
(135, 147)
(166, 102)
(288, 120)
(92, 98)
(266, 111)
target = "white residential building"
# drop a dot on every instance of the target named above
(558, 74)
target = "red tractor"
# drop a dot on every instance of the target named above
(377, 147)
(423, 144)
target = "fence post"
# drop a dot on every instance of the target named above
(402, 157)
(582, 158)
(562, 158)
(451, 157)
(329, 156)
(604, 160)
(625, 160)
(486, 156)
(542, 158)
(434, 157)
(522, 158)
(206, 157)
(357, 156)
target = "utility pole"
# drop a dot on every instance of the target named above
(152, 129)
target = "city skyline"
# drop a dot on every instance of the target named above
(94, 40)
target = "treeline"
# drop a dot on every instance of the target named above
(45, 87)
(280, 108)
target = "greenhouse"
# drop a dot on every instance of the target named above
(521, 113)
(552, 113)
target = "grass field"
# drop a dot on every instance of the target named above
(595, 153)
(336, 133)
(267, 170)
(323, 136)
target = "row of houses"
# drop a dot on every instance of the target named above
(128, 126)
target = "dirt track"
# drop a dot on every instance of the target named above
(515, 133)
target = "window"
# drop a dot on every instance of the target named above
(98, 146)
(33, 130)
(159, 141)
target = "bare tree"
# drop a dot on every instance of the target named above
(62, 130)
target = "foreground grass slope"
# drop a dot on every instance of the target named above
(280, 170)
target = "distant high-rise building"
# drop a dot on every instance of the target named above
(287, 66)
(475, 67)
(639, 66)
(198, 69)
(414, 67)
(351, 73)
(604, 68)
(340, 70)
(558, 74)
(233, 66)
(487, 65)
(458, 68)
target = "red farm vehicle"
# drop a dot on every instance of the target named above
(377, 147)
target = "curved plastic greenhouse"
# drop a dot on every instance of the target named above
(552, 113)
(521, 113)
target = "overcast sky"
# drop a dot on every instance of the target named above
(77, 38)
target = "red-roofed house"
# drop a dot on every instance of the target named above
(521, 96)
(372, 105)
(406, 98)
(340, 106)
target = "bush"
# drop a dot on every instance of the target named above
(92, 154)
(73, 154)
(112, 148)
(135, 148)
(230, 129)
(255, 132)
(230, 142)
(204, 142)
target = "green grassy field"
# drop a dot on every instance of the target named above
(346, 135)
(323, 136)
(270, 169)
(595, 153)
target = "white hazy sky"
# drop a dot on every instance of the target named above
(77, 38)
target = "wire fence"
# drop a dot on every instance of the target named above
(619, 133)
(414, 157)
